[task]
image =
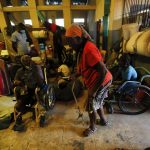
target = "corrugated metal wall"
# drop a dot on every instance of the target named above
(137, 11)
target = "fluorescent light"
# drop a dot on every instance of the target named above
(59, 22)
(50, 20)
(28, 21)
(12, 23)
(78, 20)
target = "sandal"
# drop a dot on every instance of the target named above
(89, 131)
(102, 122)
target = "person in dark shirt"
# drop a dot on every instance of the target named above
(58, 35)
(27, 78)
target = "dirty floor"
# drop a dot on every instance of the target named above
(64, 132)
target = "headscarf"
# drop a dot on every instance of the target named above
(77, 30)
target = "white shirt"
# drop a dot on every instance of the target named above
(21, 40)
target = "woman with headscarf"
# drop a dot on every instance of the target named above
(96, 76)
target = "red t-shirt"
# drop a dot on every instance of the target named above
(90, 57)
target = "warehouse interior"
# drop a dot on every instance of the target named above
(58, 117)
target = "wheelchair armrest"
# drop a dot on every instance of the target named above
(145, 76)
(142, 69)
(126, 85)
(36, 93)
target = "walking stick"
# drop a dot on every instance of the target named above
(77, 104)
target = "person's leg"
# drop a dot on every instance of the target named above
(101, 96)
(19, 126)
(17, 91)
(92, 117)
(92, 128)
(101, 114)
(30, 97)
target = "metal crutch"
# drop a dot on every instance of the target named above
(77, 104)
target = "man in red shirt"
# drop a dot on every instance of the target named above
(96, 76)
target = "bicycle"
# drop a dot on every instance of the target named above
(132, 97)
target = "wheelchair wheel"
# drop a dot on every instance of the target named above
(135, 101)
(50, 98)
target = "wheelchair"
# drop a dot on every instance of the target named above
(132, 97)
(44, 101)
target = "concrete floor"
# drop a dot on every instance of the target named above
(64, 132)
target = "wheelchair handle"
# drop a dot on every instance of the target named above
(142, 68)
(145, 76)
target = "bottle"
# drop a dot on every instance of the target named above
(42, 51)
(49, 51)
(42, 47)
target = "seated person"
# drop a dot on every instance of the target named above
(63, 89)
(126, 71)
(27, 78)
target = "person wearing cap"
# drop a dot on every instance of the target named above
(96, 76)
(27, 78)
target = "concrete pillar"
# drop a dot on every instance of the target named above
(66, 13)
(33, 13)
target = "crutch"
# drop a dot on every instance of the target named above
(45, 72)
(77, 104)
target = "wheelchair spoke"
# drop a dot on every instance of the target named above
(135, 103)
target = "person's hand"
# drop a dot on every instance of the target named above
(17, 82)
(73, 77)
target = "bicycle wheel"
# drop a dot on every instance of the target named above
(50, 98)
(135, 101)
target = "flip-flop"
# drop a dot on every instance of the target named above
(89, 131)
